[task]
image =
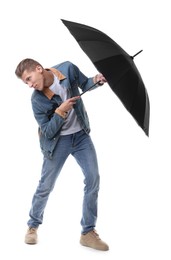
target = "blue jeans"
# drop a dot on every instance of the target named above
(81, 147)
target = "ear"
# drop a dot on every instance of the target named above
(39, 68)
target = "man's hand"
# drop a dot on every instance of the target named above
(68, 104)
(99, 78)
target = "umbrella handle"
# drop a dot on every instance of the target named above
(136, 54)
(90, 87)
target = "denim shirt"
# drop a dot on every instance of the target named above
(44, 104)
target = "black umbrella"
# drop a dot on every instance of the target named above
(118, 68)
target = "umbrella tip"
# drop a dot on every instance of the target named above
(63, 20)
(136, 54)
(146, 132)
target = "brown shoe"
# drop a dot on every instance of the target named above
(92, 239)
(31, 236)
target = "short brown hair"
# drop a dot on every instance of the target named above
(26, 64)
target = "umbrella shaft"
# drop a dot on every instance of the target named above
(90, 87)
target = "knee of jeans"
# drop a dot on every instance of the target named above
(44, 190)
(92, 183)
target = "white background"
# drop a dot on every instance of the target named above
(134, 199)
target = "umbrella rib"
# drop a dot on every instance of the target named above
(134, 94)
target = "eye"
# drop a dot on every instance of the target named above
(28, 79)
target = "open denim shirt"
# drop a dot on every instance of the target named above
(44, 104)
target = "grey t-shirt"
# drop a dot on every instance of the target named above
(71, 124)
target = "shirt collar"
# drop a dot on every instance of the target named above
(47, 92)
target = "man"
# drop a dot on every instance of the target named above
(63, 130)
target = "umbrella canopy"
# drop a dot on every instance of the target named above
(118, 67)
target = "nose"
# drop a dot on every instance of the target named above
(30, 85)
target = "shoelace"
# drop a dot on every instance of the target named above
(32, 230)
(95, 234)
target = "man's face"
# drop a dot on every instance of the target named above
(34, 79)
